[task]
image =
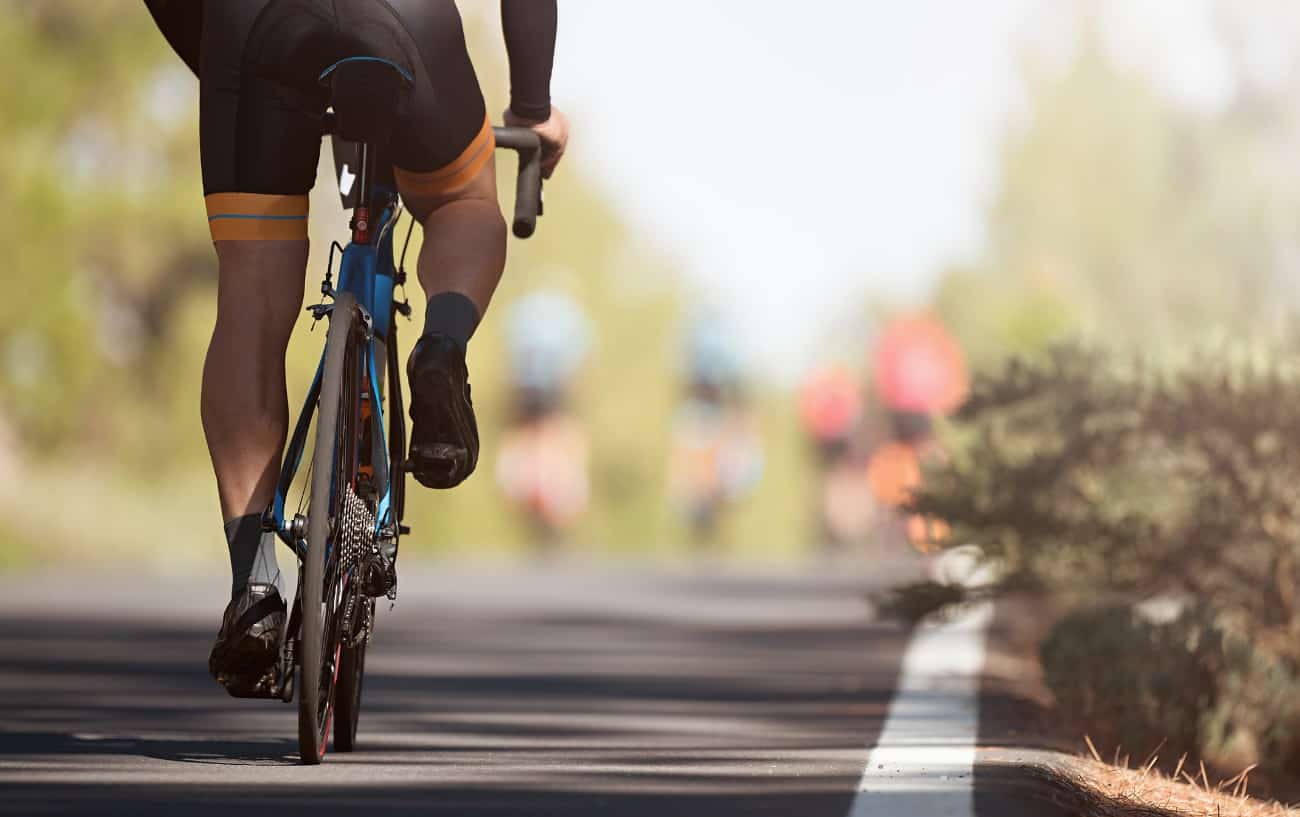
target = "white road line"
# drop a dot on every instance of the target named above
(923, 764)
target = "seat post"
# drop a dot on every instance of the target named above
(361, 215)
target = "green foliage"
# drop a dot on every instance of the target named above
(912, 602)
(1094, 474)
(1089, 663)
(1124, 219)
(86, 204)
(1100, 478)
(1187, 685)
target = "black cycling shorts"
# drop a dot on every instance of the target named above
(261, 99)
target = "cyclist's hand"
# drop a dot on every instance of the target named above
(554, 133)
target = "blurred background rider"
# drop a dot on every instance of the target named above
(542, 464)
(716, 456)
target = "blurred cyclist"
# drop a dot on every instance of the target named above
(831, 409)
(542, 464)
(920, 373)
(261, 102)
(716, 456)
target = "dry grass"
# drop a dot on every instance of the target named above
(1092, 787)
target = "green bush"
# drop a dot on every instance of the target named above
(1184, 685)
(1090, 663)
(1113, 481)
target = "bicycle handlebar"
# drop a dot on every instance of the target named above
(528, 187)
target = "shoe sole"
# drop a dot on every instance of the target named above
(245, 656)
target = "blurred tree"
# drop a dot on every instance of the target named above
(99, 183)
(1120, 215)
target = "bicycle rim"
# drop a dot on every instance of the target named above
(333, 471)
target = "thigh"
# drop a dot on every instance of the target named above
(444, 128)
(260, 141)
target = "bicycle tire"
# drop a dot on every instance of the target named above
(336, 424)
(352, 669)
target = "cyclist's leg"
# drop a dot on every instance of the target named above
(260, 144)
(445, 166)
(244, 401)
(464, 248)
(443, 150)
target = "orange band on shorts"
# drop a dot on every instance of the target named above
(456, 175)
(256, 217)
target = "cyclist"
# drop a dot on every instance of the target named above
(259, 64)
(541, 462)
(716, 456)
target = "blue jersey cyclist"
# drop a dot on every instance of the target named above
(260, 113)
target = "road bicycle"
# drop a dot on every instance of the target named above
(347, 522)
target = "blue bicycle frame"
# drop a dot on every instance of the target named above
(367, 271)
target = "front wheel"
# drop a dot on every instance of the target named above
(333, 477)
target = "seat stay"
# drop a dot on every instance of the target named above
(289, 469)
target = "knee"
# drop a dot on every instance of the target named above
(236, 259)
(482, 210)
(260, 285)
(471, 221)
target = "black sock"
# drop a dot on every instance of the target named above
(453, 315)
(252, 553)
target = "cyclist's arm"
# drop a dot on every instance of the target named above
(529, 27)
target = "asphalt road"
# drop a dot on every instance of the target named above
(540, 690)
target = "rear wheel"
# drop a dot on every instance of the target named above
(352, 668)
(333, 476)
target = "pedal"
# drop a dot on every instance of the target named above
(275, 683)
(248, 686)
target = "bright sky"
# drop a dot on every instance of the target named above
(798, 158)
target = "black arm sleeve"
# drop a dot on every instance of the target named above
(529, 26)
(181, 23)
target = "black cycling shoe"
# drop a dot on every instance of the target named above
(444, 433)
(247, 649)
